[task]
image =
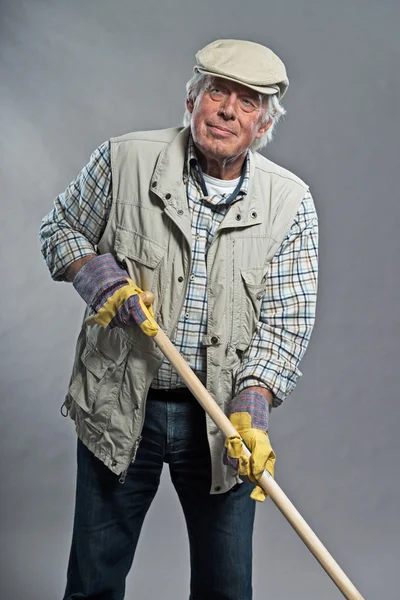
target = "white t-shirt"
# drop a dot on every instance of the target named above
(220, 186)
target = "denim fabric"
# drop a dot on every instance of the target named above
(109, 515)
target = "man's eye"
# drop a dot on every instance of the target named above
(216, 93)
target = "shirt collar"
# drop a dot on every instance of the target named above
(193, 170)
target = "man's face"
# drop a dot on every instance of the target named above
(226, 119)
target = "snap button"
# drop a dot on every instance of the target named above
(180, 212)
(186, 315)
(214, 340)
(154, 184)
(167, 196)
(238, 217)
(180, 278)
(253, 214)
(217, 488)
(114, 463)
(192, 277)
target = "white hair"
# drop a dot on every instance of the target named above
(273, 110)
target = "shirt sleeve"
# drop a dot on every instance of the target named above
(75, 225)
(287, 310)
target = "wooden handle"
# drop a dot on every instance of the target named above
(268, 484)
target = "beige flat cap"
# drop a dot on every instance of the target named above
(248, 63)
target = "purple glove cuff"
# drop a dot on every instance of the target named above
(258, 408)
(255, 404)
(99, 279)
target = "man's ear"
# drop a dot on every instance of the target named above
(263, 129)
(189, 105)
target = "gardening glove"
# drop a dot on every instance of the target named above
(115, 299)
(249, 415)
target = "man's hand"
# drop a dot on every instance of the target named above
(249, 415)
(115, 299)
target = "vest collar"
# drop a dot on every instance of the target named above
(249, 211)
(167, 180)
(167, 183)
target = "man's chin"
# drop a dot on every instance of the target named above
(218, 148)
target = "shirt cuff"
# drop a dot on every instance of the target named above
(276, 377)
(65, 251)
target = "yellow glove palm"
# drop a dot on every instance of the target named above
(127, 298)
(262, 455)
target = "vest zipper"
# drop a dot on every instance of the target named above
(233, 296)
(123, 475)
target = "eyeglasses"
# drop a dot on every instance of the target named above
(247, 103)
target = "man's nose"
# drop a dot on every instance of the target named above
(228, 107)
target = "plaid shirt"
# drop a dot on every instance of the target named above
(75, 225)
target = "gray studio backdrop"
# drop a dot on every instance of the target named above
(73, 74)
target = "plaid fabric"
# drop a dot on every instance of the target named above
(76, 223)
(287, 310)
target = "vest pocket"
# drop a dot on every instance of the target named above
(85, 387)
(142, 256)
(253, 289)
(96, 386)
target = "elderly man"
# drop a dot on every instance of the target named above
(227, 242)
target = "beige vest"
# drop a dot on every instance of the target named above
(149, 230)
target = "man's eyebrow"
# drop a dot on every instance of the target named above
(220, 84)
(250, 94)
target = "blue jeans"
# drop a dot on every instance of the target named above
(109, 515)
